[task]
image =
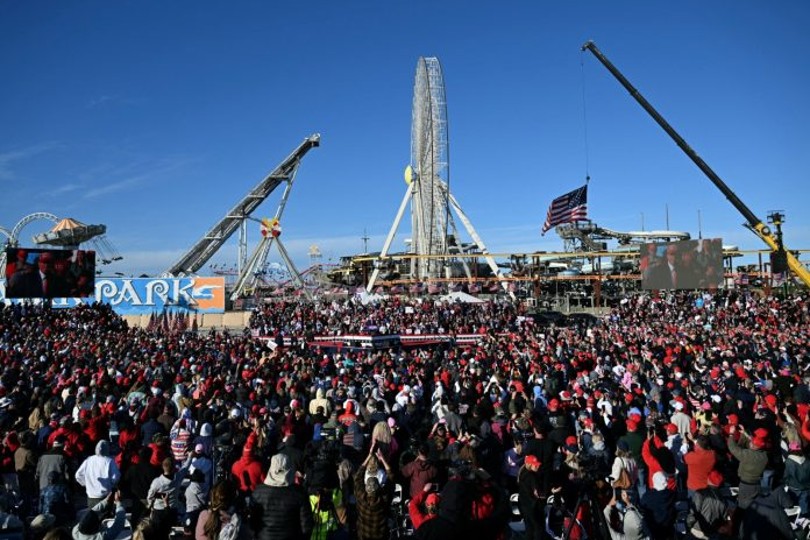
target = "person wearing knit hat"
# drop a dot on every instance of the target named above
(283, 507)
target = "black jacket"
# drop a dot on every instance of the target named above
(658, 508)
(281, 513)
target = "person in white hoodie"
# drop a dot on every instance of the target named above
(98, 474)
(320, 401)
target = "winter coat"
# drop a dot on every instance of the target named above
(658, 508)
(196, 497)
(710, 509)
(658, 458)
(281, 513)
(320, 401)
(765, 518)
(632, 524)
(752, 462)
(51, 461)
(797, 472)
(248, 473)
(625, 463)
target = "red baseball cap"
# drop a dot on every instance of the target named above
(532, 460)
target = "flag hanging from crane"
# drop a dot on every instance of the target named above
(572, 206)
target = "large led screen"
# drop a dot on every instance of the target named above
(692, 264)
(50, 273)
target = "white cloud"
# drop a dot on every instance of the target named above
(67, 188)
(9, 158)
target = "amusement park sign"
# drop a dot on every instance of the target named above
(149, 295)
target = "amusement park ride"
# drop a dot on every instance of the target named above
(67, 233)
(251, 271)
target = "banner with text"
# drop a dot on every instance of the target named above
(148, 295)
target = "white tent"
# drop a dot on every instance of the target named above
(366, 298)
(462, 297)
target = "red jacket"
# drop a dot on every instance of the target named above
(248, 473)
(415, 510)
(652, 464)
(699, 463)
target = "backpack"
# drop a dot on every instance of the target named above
(230, 531)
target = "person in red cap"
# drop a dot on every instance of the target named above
(559, 420)
(699, 463)
(531, 497)
(753, 459)
(634, 439)
(711, 511)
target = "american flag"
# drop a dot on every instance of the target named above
(570, 207)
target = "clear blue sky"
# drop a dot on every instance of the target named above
(156, 117)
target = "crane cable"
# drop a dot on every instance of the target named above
(585, 119)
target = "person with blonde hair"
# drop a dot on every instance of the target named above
(221, 513)
(383, 439)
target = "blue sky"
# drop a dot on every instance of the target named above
(156, 117)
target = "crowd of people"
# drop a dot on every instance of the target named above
(686, 409)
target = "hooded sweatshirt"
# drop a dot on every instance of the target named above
(99, 474)
(320, 401)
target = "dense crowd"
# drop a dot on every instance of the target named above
(681, 412)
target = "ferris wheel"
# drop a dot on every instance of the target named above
(434, 235)
(428, 173)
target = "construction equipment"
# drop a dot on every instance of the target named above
(752, 222)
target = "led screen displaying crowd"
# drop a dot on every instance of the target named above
(49, 273)
(692, 264)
